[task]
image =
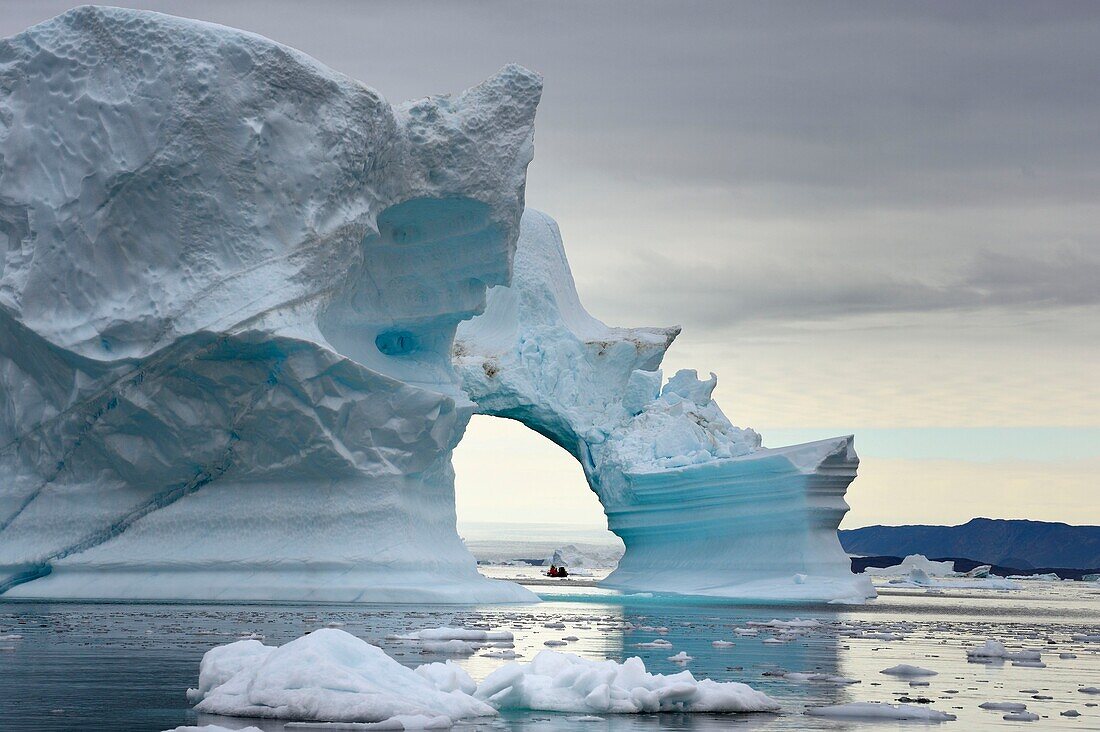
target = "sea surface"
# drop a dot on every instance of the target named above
(112, 666)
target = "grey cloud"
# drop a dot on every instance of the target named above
(819, 114)
(710, 296)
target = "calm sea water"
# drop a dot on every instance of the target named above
(127, 666)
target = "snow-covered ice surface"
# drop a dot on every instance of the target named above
(229, 283)
(102, 668)
(701, 506)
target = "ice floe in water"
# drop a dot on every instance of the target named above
(994, 651)
(563, 682)
(332, 676)
(874, 710)
(328, 675)
(1004, 706)
(213, 728)
(905, 669)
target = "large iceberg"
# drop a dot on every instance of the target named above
(701, 506)
(229, 283)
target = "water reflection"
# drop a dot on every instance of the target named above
(126, 667)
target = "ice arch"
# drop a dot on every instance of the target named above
(702, 508)
(229, 292)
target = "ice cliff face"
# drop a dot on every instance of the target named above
(229, 283)
(702, 508)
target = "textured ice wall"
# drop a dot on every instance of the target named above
(702, 508)
(229, 283)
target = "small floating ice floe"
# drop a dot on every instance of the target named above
(506, 654)
(446, 633)
(1003, 706)
(904, 669)
(450, 648)
(213, 728)
(994, 650)
(775, 623)
(876, 710)
(681, 657)
(1021, 717)
(826, 678)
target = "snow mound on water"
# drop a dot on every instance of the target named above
(563, 682)
(328, 675)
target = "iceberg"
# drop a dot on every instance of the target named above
(229, 282)
(914, 563)
(248, 307)
(701, 506)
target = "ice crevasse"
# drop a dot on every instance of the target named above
(230, 284)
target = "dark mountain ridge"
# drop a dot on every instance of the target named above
(1007, 542)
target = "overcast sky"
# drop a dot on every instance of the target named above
(871, 218)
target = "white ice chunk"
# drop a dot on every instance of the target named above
(329, 675)
(563, 682)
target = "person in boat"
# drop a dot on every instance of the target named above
(562, 572)
(553, 571)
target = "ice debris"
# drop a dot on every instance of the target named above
(332, 676)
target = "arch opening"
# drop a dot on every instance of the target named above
(519, 497)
